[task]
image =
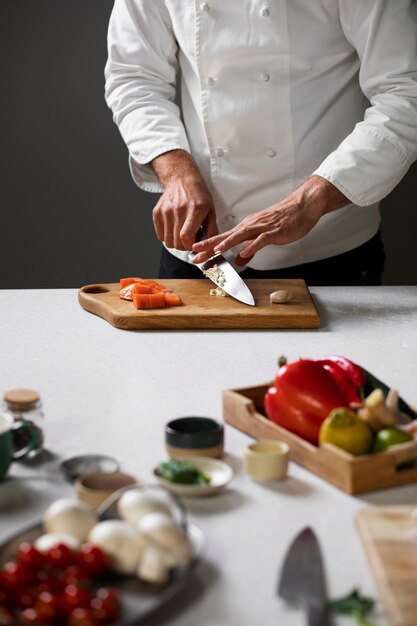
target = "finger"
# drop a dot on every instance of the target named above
(210, 225)
(240, 261)
(237, 235)
(210, 243)
(189, 230)
(177, 230)
(202, 256)
(254, 246)
(168, 229)
(158, 222)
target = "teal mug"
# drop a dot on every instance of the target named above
(7, 453)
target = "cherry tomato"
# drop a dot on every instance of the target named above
(31, 616)
(105, 612)
(108, 600)
(26, 598)
(16, 575)
(6, 617)
(60, 556)
(4, 598)
(47, 582)
(82, 617)
(48, 605)
(30, 555)
(75, 597)
(74, 575)
(92, 559)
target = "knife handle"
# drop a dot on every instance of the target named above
(317, 614)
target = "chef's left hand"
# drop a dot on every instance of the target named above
(281, 223)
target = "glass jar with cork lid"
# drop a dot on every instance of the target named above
(25, 406)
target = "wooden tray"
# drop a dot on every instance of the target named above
(243, 409)
(200, 310)
(393, 559)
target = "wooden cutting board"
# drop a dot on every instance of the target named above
(202, 311)
(393, 559)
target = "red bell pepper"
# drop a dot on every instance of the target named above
(349, 376)
(303, 395)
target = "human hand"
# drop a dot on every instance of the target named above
(186, 203)
(284, 222)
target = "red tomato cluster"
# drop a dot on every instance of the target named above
(56, 588)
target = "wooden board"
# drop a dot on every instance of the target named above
(392, 555)
(243, 409)
(200, 310)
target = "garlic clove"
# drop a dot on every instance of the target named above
(280, 297)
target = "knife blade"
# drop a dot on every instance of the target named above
(302, 578)
(228, 279)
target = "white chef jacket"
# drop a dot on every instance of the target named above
(273, 91)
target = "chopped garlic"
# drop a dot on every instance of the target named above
(216, 274)
(218, 292)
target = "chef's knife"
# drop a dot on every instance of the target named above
(227, 278)
(302, 578)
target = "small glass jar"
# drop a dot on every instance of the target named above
(25, 406)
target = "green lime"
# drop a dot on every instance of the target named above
(389, 437)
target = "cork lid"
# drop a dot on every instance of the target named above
(21, 399)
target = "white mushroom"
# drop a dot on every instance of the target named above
(134, 504)
(45, 542)
(160, 531)
(120, 543)
(70, 517)
(152, 566)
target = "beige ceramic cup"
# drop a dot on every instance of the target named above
(94, 489)
(267, 459)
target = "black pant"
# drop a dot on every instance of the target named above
(360, 266)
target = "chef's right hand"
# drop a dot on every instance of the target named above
(186, 203)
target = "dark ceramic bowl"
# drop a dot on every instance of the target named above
(194, 436)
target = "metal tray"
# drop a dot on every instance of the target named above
(139, 599)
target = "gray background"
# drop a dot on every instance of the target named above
(70, 213)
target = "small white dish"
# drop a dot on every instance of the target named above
(219, 472)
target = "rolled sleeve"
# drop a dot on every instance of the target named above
(372, 160)
(140, 77)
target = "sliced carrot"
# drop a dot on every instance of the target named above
(126, 292)
(124, 282)
(172, 300)
(148, 300)
(141, 288)
(148, 281)
(160, 289)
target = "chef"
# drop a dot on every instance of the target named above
(297, 118)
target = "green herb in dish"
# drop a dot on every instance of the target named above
(356, 606)
(182, 472)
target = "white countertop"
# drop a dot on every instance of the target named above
(111, 391)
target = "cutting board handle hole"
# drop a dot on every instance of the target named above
(95, 289)
(406, 465)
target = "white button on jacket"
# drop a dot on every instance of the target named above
(339, 100)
